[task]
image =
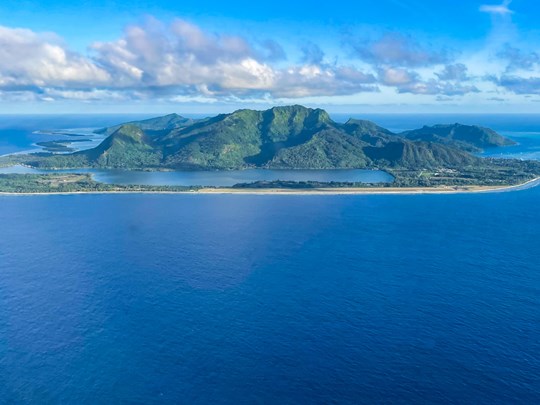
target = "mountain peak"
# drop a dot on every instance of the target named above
(309, 115)
(364, 127)
(129, 131)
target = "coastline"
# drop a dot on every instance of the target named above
(319, 191)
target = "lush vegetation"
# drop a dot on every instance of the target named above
(60, 145)
(45, 160)
(153, 125)
(490, 172)
(468, 137)
(70, 183)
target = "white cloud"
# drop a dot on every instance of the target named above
(448, 82)
(184, 59)
(519, 60)
(396, 50)
(87, 95)
(181, 61)
(519, 85)
(454, 72)
(29, 59)
(396, 77)
(498, 9)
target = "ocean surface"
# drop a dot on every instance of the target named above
(272, 299)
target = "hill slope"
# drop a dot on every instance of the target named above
(156, 125)
(128, 147)
(467, 137)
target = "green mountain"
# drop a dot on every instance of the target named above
(292, 137)
(129, 146)
(243, 138)
(467, 137)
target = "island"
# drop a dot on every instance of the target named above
(60, 145)
(433, 158)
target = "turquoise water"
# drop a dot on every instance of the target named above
(20, 133)
(528, 147)
(270, 299)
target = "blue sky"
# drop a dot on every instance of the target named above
(213, 56)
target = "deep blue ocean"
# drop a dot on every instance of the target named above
(273, 299)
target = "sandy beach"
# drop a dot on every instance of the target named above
(317, 191)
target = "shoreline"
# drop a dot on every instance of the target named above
(318, 191)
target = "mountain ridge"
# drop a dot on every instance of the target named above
(473, 138)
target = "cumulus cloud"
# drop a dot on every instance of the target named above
(407, 81)
(317, 80)
(397, 77)
(31, 60)
(518, 59)
(455, 72)
(434, 87)
(521, 75)
(396, 50)
(169, 61)
(183, 59)
(519, 85)
(408, 67)
(182, 55)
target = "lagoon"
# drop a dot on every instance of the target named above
(217, 178)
